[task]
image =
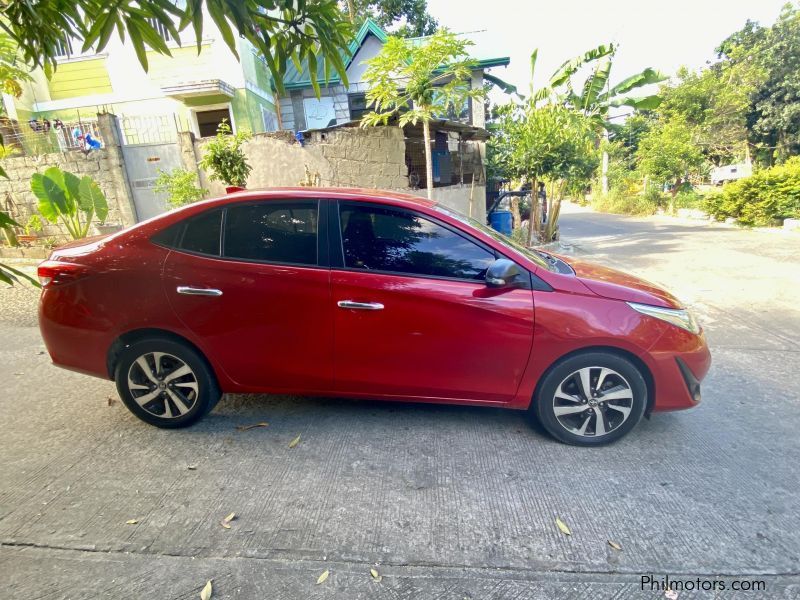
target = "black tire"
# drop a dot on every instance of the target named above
(619, 415)
(180, 401)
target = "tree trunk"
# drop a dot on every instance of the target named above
(426, 135)
(351, 8)
(604, 178)
(535, 220)
(516, 218)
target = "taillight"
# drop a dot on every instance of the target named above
(53, 272)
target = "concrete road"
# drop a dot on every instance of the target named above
(445, 502)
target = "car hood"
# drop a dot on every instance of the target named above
(616, 285)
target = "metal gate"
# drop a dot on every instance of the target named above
(149, 146)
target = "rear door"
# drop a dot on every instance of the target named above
(413, 316)
(250, 281)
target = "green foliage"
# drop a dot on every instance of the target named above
(774, 118)
(765, 198)
(413, 13)
(281, 30)
(419, 82)
(620, 202)
(180, 186)
(224, 158)
(12, 73)
(34, 225)
(65, 197)
(669, 154)
(9, 274)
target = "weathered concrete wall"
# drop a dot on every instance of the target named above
(348, 157)
(457, 197)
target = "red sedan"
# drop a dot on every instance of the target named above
(364, 294)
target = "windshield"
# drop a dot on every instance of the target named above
(506, 241)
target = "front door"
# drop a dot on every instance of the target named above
(413, 316)
(245, 279)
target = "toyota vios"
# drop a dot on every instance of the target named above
(364, 294)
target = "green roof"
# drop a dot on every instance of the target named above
(294, 79)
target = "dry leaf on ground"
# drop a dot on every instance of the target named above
(207, 591)
(294, 442)
(614, 545)
(563, 527)
(323, 577)
(253, 426)
(131, 522)
(226, 521)
(375, 575)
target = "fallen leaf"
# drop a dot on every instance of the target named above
(253, 426)
(111, 401)
(325, 573)
(131, 522)
(671, 595)
(614, 545)
(294, 442)
(192, 467)
(563, 527)
(375, 575)
(225, 522)
(207, 591)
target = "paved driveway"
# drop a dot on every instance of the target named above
(445, 502)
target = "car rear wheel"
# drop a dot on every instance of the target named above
(591, 399)
(166, 383)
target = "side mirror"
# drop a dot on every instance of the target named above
(504, 273)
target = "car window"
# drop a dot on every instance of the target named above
(201, 233)
(385, 239)
(284, 232)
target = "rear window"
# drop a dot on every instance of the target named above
(202, 233)
(199, 234)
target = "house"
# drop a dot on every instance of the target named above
(187, 91)
(300, 109)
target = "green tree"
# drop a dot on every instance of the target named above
(418, 83)
(416, 21)
(282, 30)
(669, 154)
(774, 119)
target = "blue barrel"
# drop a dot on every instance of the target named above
(500, 220)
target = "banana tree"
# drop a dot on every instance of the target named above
(596, 97)
(72, 200)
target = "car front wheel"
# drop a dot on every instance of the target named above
(166, 383)
(591, 399)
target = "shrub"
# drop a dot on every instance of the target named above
(617, 201)
(180, 187)
(224, 159)
(72, 200)
(765, 198)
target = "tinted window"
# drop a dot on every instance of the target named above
(382, 239)
(202, 233)
(272, 232)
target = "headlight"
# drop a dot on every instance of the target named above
(680, 317)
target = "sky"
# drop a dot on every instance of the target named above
(664, 34)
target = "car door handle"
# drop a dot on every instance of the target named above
(193, 291)
(359, 305)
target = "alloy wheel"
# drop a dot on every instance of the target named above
(593, 401)
(163, 385)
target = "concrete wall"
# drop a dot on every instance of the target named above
(348, 157)
(457, 197)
